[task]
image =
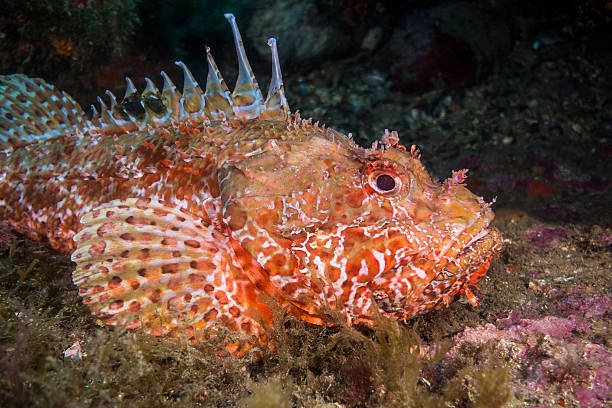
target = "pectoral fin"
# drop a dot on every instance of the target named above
(148, 266)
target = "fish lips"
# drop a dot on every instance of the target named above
(409, 293)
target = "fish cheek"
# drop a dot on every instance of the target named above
(354, 199)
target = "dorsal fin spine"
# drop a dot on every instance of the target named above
(130, 89)
(132, 105)
(276, 103)
(150, 87)
(219, 104)
(192, 98)
(171, 98)
(152, 100)
(120, 118)
(95, 118)
(107, 122)
(248, 100)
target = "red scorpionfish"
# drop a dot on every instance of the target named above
(186, 212)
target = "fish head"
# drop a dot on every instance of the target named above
(329, 223)
(431, 240)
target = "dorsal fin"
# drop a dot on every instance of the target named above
(248, 101)
(31, 110)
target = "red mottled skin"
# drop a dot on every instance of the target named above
(187, 212)
(292, 207)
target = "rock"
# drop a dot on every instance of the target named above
(545, 237)
(448, 45)
(372, 39)
(551, 353)
(305, 35)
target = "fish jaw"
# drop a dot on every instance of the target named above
(411, 290)
(451, 253)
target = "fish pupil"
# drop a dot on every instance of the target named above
(385, 182)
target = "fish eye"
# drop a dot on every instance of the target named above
(385, 183)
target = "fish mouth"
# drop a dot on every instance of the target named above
(479, 250)
(465, 270)
(458, 267)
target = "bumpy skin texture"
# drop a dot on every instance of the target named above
(234, 219)
(187, 212)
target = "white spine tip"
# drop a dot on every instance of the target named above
(230, 17)
(111, 96)
(130, 88)
(150, 84)
(272, 42)
(168, 84)
(129, 83)
(102, 104)
(189, 81)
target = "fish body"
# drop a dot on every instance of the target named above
(195, 210)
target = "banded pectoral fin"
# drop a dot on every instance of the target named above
(149, 266)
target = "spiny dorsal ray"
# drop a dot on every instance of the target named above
(218, 100)
(153, 103)
(107, 121)
(248, 101)
(276, 103)
(121, 118)
(95, 118)
(192, 99)
(132, 104)
(171, 97)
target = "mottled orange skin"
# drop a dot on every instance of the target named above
(282, 213)
(305, 207)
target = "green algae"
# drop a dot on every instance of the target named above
(270, 393)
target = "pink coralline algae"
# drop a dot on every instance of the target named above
(551, 354)
(545, 237)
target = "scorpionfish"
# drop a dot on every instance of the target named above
(187, 212)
